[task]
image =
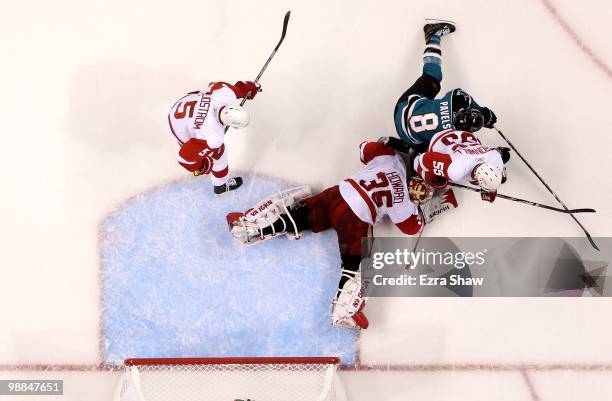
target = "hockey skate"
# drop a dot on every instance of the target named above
(231, 185)
(438, 27)
(258, 223)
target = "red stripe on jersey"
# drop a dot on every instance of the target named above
(431, 145)
(411, 225)
(219, 85)
(172, 129)
(371, 150)
(217, 153)
(221, 174)
(365, 198)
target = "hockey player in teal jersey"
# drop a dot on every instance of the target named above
(418, 115)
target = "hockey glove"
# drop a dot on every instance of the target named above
(395, 143)
(489, 117)
(505, 153)
(488, 196)
(249, 89)
(434, 181)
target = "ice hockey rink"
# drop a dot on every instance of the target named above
(92, 184)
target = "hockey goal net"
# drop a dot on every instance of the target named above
(228, 379)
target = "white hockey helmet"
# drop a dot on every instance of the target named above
(235, 116)
(489, 177)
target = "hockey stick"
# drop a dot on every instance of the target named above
(285, 23)
(547, 187)
(244, 99)
(512, 198)
(416, 244)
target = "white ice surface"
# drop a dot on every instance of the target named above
(85, 88)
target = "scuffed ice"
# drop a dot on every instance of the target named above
(176, 284)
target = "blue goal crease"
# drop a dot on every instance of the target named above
(176, 284)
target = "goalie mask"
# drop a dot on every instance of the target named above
(235, 116)
(470, 120)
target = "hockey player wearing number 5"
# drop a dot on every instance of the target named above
(198, 121)
(351, 208)
(419, 116)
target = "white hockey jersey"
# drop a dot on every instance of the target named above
(196, 115)
(465, 151)
(380, 189)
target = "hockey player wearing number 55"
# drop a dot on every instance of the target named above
(198, 121)
(351, 208)
(459, 155)
(419, 116)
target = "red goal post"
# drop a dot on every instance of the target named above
(229, 379)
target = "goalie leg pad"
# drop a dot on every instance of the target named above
(347, 308)
(258, 223)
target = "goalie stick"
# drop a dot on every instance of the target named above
(548, 188)
(512, 198)
(285, 23)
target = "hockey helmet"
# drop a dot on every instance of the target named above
(235, 116)
(470, 120)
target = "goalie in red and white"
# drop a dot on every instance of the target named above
(351, 208)
(198, 121)
(459, 155)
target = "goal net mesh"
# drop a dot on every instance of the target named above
(256, 379)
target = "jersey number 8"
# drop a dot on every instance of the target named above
(424, 122)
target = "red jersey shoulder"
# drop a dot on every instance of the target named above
(240, 89)
(370, 150)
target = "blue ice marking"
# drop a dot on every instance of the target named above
(176, 284)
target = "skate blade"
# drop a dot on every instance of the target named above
(432, 21)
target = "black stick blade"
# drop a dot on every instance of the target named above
(285, 24)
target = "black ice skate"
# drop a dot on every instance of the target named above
(438, 27)
(230, 185)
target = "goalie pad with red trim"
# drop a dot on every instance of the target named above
(257, 223)
(347, 308)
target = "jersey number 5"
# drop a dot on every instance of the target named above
(379, 197)
(187, 108)
(424, 122)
